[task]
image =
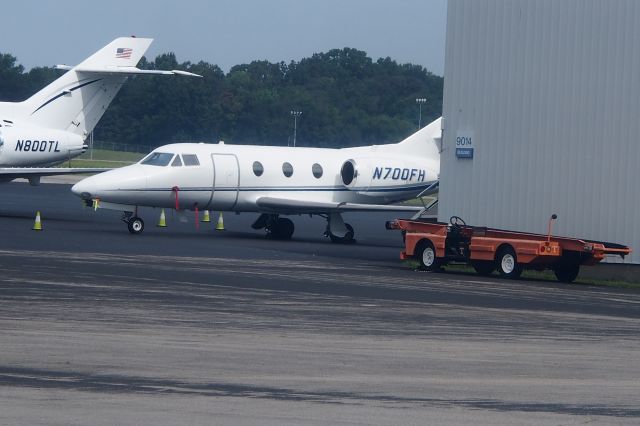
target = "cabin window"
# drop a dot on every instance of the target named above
(258, 170)
(316, 169)
(157, 159)
(287, 169)
(177, 162)
(190, 160)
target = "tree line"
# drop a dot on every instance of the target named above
(346, 99)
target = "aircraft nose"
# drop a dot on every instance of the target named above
(113, 185)
(82, 190)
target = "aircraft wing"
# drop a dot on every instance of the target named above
(290, 206)
(34, 173)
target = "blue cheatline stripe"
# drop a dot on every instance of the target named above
(286, 189)
(63, 93)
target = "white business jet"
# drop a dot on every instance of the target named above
(273, 181)
(51, 126)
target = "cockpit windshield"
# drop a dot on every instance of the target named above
(157, 159)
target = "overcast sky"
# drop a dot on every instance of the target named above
(226, 32)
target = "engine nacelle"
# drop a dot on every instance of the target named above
(377, 176)
(22, 146)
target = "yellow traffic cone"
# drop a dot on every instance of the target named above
(205, 216)
(37, 226)
(162, 223)
(220, 224)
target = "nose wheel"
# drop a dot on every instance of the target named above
(134, 223)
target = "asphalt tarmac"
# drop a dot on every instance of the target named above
(192, 326)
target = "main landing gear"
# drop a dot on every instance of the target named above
(338, 231)
(134, 223)
(280, 228)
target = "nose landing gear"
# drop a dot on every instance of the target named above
(134, 223)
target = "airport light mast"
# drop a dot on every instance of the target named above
(420, 101)
(295, 113)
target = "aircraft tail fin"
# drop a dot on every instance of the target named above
(426, 142)
(121, 52)
(76, 101)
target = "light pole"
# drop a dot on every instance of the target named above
(295, 114)
(91, 143)
(420, 101)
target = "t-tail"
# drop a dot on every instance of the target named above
(76, 101)
(426, 142)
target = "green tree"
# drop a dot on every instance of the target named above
(347, 99)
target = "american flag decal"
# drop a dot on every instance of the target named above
(123, 52)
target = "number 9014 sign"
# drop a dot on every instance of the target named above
(464, 145)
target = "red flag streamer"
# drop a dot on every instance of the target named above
(197, 221)
(176, 189)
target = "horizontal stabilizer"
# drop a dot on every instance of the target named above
(132, 71)
(126, 71)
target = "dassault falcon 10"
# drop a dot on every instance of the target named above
(273, 181)
(51, 126)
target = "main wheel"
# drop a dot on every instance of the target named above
(427, 257)
(507, 263)
(346, 239)
(484, 267)
(284, 228)
(135, 225)
(567, 272)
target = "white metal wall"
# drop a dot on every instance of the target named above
(551, 93)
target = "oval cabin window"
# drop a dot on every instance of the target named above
(257, 168)
(316, 169)
(287, 169)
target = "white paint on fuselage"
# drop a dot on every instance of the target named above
(216, 185)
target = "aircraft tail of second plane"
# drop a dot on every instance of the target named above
(76, 101)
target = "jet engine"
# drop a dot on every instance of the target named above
(33, 146)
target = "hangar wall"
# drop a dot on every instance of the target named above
(548, 93)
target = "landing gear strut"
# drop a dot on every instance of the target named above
(338, 231)
(280, 228)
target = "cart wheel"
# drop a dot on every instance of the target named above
(427, 257)
(507, 263)
(484, 267)
(567, 272)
